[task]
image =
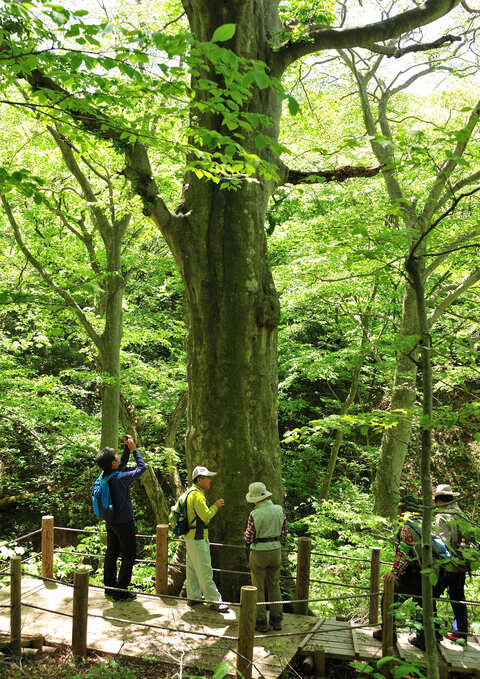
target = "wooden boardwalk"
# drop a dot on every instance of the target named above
(182, 644)
(271, 655)
(341, 639)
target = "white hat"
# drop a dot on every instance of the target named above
(445, 489)
(257, 492)
(201, 471)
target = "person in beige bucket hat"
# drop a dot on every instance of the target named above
(266, 525)
(447, 519)
(445, 489)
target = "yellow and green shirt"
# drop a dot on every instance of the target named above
(199, 514)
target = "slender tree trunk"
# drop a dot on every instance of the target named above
(111, 341)
(415, 267)
(344, 409)
(396, 440)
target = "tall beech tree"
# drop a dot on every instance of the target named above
(217, 236)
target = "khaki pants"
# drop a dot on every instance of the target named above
(265, 571)
(199, 571)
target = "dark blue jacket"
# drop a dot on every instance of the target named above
(120, 486)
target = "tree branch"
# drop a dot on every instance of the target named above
(398, 52)
(470, 280)
(447, 249)
(321, 38)
(138, 169)
(66, 296)
(450, 192)
(433, 199)
(340, 174)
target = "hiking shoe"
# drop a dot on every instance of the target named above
(261, 626)
(124, 596)
(456, 636)
(220, 607)
(418, 642)
(193, 602)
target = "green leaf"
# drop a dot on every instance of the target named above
(262, 79)
(293, 106)
(223, 33)
(223, 669)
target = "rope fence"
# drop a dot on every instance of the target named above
(246, 608)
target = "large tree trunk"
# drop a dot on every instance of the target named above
(232, 311)
(396, 440)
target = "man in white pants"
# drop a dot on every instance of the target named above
(199, 564)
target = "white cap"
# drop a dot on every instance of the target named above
(201, 471)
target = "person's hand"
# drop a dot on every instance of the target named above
(130, 443)
(219, 503)
(389, 577)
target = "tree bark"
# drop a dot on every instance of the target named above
(415, 267)
(232, 309)
(396, 440)
(111, 340)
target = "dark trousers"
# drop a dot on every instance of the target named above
(409, 584)
(455, 584)
(120, 543)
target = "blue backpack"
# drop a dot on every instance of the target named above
(440, 551)
(101, 499)
(178, 515)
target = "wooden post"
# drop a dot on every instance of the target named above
(246, 630)
(387, 624)
(47, 546)
(16, 604)
(303, 575)
(319, 662)
(80, 611)
(161, 562)
(374, 585)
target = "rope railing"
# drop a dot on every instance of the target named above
(97, 556)
(342, 557)
(80, 604)
(97, 532)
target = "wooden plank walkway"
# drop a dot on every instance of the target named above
(271, 654)
(340, 639)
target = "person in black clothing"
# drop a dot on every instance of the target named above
(121, 531)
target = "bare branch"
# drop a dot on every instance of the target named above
(398, 52)
(469, 9)
(340, 174)
(320, 38)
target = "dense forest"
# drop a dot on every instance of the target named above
(251, 241)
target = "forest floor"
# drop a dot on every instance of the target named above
(61, 665)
